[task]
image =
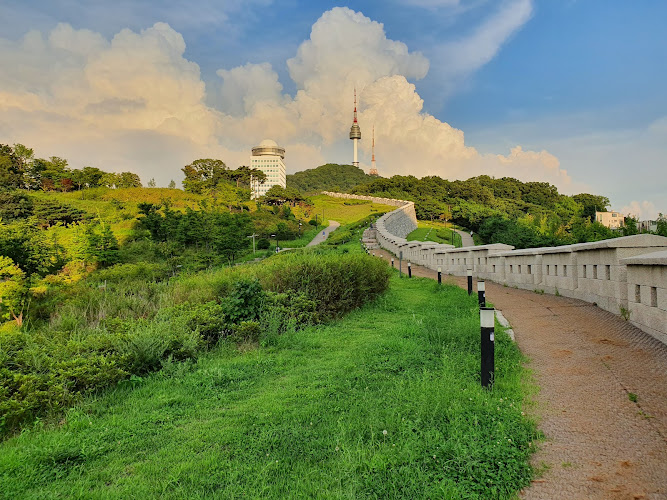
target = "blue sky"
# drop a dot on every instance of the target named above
(577, 86)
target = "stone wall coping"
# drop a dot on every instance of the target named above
(647, 259)
(634, 241)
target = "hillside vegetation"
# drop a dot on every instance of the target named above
(506, 210)
(385, 403)
(329, 177)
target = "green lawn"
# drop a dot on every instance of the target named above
(345, 211)
(437, 232)
(385, 403)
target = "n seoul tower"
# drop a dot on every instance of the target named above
(355, 131)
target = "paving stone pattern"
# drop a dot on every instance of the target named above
(588, 364)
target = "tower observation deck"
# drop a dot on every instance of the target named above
(355, 131)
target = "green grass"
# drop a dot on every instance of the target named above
(437, 232)
(345, 211)
(385, 403)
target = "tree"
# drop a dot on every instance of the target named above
(230, 233)
(128, 180)
(13, 290)
(591, 203)
(109, 180)
(88, 177)
(204, 175)
(662, 225)
(629, 226)
(172, 184)
(151, 183)
(101, 246)
(11, 170)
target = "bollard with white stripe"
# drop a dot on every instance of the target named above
(392, 262)
(481, 293)
(409, 270)
(439, 275)
(469, 274)
(487, 318)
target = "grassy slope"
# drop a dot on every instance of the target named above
(426, 231)
(303, 417)
(338, 210)
(121, 213)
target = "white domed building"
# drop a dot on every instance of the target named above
(269, 158)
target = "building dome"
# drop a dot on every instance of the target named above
(268, 147)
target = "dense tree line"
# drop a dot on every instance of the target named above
(19, 169)
(205, 175)
(523, 214)
(329, 177)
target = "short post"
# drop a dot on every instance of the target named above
(469, 273)
(373, 254)
(439, 275)
(487, 318)
(400, 264)
(481, 293)
(409, 270)
(392, 262)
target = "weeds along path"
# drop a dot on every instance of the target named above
(385, 403)
(602, 402)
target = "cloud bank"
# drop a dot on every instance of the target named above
(135, 102)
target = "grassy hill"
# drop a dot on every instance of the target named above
(329, 177)
(385, 403)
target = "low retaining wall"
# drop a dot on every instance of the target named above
(625, 276)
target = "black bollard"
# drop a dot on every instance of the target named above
(487, 322)
(400, 264)
(469, 273)
(439, 276)
(409, 270)
(481, 293)
(392, 262)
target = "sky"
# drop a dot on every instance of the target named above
(570, 92)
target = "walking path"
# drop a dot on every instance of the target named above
(589, 365)
(466, 239)
(324, 234)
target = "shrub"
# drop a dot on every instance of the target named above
(246, 331)
(336, 283)
(244, 303)
(263, 244)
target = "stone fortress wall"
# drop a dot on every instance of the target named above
(626, 276)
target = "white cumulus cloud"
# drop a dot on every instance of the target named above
(136, 102)
(641, 210)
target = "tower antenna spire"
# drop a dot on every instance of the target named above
(355, 131)
(374, 170)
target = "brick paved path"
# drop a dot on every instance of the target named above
(588, 363)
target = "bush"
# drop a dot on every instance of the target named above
(263, 244)
(336, 283)
(244, 303)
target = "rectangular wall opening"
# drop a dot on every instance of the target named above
(607, 272)
(548, 269)
(555, 269)
(530, 269)
(564, 269)
(654, 296)
(638, 294)
(595, 271)
(583, 270)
